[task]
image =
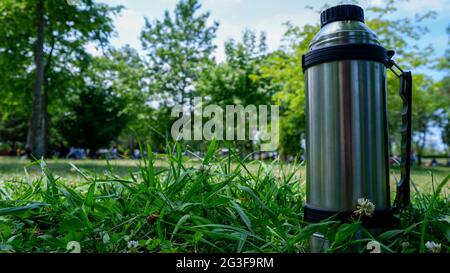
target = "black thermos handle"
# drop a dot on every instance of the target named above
(403, 197)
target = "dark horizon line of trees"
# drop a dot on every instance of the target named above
(55, 93)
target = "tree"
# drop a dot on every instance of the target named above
(123, 72)
(37, 138)
(237, 81)
(51, 51)
(178, 48)
(446, 134)
(444, 86)
(95, 118)
(13, 129)
(284, 69)
(426, 110)
(400, 35)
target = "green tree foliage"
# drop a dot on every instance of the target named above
(13, 129)
(284, 69)
(94, 119)
(237, 81)
(178, 48)
(446, 134)
(402, 35)
(444, 86)
(43, 49)
(123, 71)
(427, 109)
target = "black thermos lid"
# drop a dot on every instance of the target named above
(342, 13)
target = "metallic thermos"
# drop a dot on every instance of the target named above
(347, 153)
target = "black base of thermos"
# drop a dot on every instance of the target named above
(379, 221)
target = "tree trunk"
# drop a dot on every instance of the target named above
(37, 139)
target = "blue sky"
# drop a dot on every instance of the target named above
(268, 15)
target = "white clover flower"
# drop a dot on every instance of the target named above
(105, 237)
(433, 247)
(133, 244)
(204, 168)
(74, 247)
(73, 170)
(364, 207)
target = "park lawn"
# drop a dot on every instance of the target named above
(14, 169)
(173, 204)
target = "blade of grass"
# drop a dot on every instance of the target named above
(429, 211)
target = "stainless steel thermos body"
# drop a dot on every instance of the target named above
(347, 155)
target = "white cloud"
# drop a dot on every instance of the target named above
(377, 3)
(422, 5)
(221, 3)
(129, 25)
(272, 26)
(413, 6)
(227, 30)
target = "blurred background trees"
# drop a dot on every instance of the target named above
(43, 54)
(177, 49)
(238, 80)
(54, 92)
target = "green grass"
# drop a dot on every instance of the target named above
(13, 169)
(214, 204)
